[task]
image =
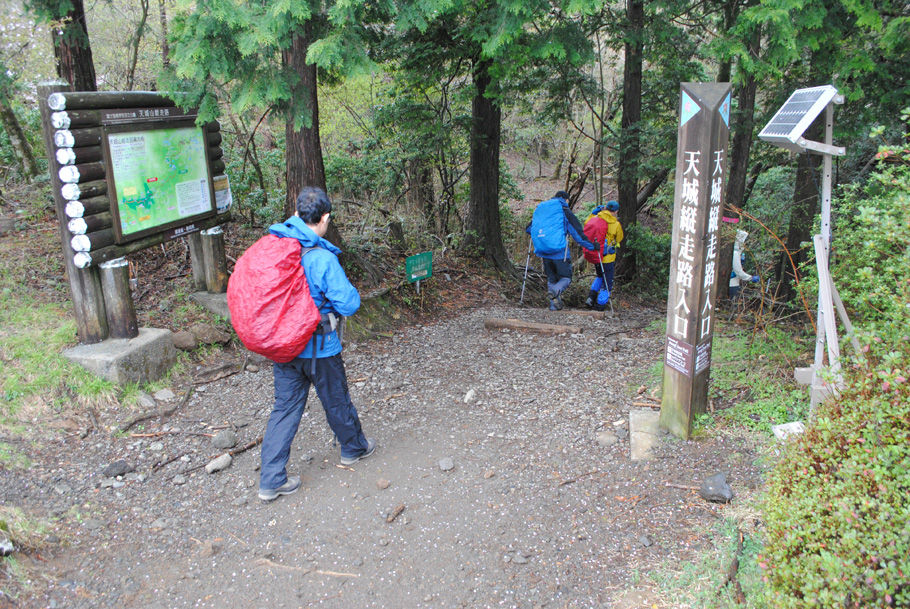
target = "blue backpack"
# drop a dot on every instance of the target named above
(548, 228)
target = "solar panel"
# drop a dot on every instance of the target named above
(795, 116)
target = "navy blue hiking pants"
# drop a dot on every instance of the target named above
(559, 274)
(292, 386)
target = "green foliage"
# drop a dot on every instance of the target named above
(701, 584)
(751, 377)
(871, 259)
(837, 512)
(652, 259)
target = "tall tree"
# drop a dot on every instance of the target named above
(630, 135)
(493, 42)
(860, 48)
(257, 52)
(739, 43)
(11, 126)
(72, 49)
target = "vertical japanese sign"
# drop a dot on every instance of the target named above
(701, 169)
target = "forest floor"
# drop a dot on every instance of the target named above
(502, 475)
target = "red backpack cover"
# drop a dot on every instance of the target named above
(595, 230)
(269, 299)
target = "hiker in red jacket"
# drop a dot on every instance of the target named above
(605, 230)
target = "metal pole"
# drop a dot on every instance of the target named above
(527, 262)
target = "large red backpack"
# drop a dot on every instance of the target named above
(595, 230)
(269, 299)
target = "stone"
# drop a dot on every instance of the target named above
(209, 335)
(446, 464)
(142, 359)
(93, 524)
(145, 401)
(210, 301)
(164, 395)
(252, 368)
(210, 548)
(489, 474)
(469, 396)
(785, 430)
(606, 438)
(716, 489)
(382, 484)
(185, 340)
(156, 446)
(179, 479)
(219, 463)
(519, 559)
(645, 541)
(117, 468)
(7, 225)
(224, 439)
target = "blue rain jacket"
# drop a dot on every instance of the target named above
(329, 285)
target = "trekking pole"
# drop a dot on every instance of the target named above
(527, 262)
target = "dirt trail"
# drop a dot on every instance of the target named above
(538, 510)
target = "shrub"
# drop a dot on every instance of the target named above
(652, 259)
(838, 519)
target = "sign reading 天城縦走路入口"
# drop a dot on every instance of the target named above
(418, 267)
(701, 167)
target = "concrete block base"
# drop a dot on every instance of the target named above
(804, 376)
(128, 360)
(644, 432)
(216, 303)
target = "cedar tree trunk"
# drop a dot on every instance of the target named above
(630, 135)
(482, 223)
(72, 50)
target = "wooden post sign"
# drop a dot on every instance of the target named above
(701, 167)
(129, 170)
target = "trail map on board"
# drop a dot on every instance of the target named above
(161, 176)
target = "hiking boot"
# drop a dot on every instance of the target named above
(558, 302)
(288, 488)
(371, 448)
(591, 299)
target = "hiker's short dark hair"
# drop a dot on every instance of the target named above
(312, 204)
(561, 194)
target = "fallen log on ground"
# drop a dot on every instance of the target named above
(529, 326)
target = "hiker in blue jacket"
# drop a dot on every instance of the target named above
(320, 363)
(551, 221)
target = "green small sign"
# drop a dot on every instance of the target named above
(418, 266)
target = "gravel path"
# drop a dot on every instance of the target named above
(502, 478)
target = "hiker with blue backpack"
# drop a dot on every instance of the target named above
(602, 227)
(319, 364)
(550, 224)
